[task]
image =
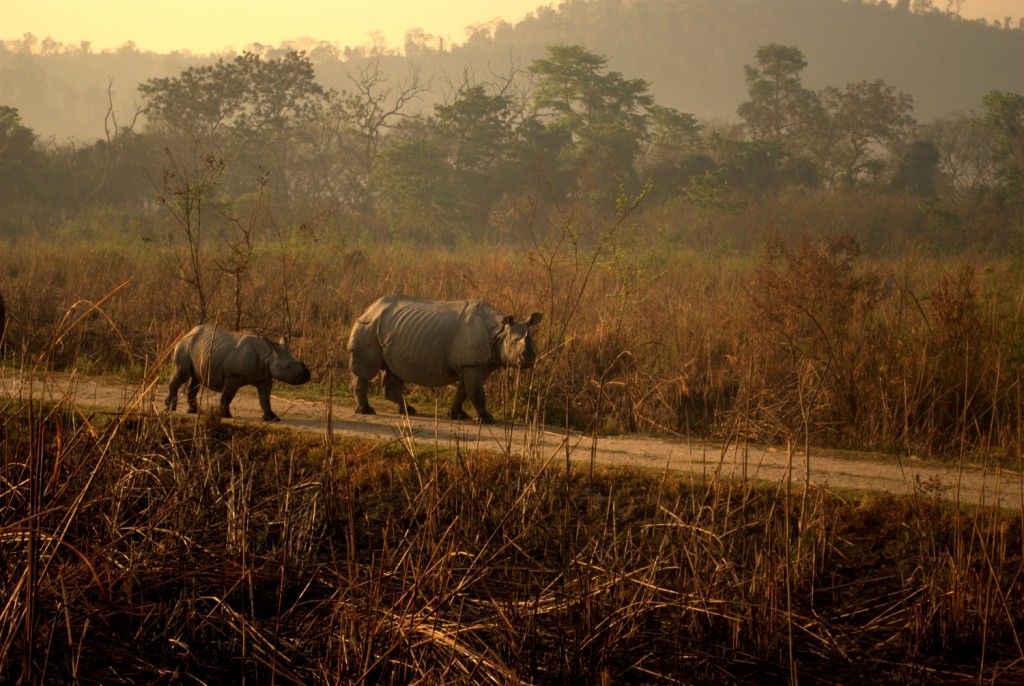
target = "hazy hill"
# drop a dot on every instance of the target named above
(691, 51)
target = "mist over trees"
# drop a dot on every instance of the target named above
(692, 53)
(468, 143)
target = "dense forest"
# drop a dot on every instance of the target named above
(701, 109)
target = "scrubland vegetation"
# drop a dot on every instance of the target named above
(803, 337)
(828, 273)
(141, 548)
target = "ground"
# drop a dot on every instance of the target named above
(839, 471)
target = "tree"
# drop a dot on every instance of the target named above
(341, 147)
(18, 154)
(22, 166)
(673, 143)
(917, 171)
(859, 119)
(248, 95)
(195, 105)
(1004, 116)
(413, 187)
(249, 111)
(478, 132)
(710, 194)
(779, 107)
(966, 153)
(753, 165)
(189, 185)
(597, 114)
(107, 156)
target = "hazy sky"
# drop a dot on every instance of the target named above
(213, 25)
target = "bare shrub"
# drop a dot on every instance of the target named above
(811, 318)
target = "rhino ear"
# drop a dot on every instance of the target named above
(508, 321)
(535, 319)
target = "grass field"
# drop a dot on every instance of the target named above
(150, 549)
(805, 340)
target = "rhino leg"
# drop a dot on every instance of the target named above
(231, 386)
(367, 358)
(360, 389)
(460, 399)
(263, 390)
(473, 384)
(193, 394)
(394, 390)
(173, 385)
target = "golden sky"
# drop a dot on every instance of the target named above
(203, 26)
(213, 25)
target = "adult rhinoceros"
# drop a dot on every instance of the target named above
(435, 343)
(227, 360)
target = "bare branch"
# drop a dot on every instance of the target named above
(115, 139)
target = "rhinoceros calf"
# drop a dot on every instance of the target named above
(435, 343)
(225, 361)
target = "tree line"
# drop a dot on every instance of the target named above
(564, 131)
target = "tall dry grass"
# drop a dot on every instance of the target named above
(137, 548)
(806, 340)
(151, 549)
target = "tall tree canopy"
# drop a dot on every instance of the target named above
(249, 94)
(598, 114)
(861, 118)
(779, 105)
(249, 111)
(1004, 115)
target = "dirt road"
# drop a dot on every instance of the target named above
(835, 470)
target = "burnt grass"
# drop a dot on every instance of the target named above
(150, 549)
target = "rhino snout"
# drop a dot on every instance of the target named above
(526, 357)
(304, 376)
(295, 376)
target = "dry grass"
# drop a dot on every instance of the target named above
(144, 549)
(148, 549)
(809, 341)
